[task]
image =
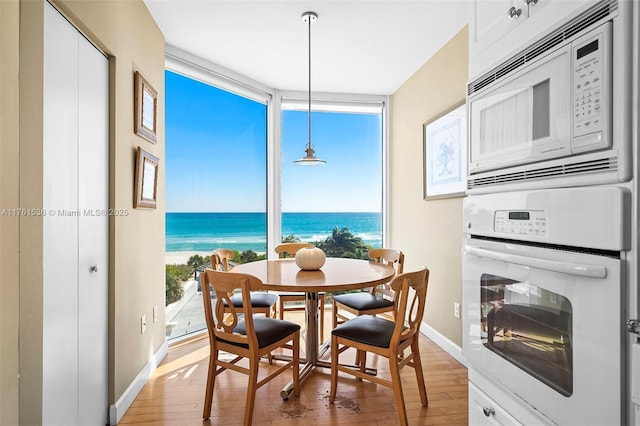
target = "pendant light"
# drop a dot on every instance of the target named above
(309, 159)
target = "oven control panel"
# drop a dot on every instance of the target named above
(523, 222)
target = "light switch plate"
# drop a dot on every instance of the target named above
(143, 324)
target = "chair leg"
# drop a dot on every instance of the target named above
(361, 360)
(321, 313)
(334, 368)
(417, 365)
(397, 389)
(211, 378)
(251, 391)
(281, 308)
(334, 314)
(267, 313)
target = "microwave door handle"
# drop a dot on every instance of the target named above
(571, 268)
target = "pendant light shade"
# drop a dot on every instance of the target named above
(309, 159)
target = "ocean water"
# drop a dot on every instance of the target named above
(204, 232)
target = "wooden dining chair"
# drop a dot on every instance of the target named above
(389, 339)
(285, 250)
(235, 330)
(379, 300)
(261, 301)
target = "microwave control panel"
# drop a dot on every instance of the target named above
(590, 88)
(522, 222)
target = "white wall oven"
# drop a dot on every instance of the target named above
(543, 283)
(554, 114)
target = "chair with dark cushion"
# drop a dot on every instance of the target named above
(378, 300)
(235, 330)
(261, 301)
(385, 338)
(285, 250)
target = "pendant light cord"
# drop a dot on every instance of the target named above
(309, 115)
(309, 159)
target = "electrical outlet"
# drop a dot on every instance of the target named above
(155, 313)
(143, 324)
(456, 309)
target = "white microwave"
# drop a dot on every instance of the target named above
(545, 108)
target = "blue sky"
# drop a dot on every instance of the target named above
(216, 155)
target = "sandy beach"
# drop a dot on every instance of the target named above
(181, 257)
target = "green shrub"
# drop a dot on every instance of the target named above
(247, 256)
(196, 260)
(174, 280)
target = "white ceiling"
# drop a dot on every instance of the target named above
(358, 46)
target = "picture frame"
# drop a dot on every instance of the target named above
(145, 108)
(146, 180)
(445, 154)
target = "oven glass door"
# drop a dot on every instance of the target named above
(530, 327)
(546, 325)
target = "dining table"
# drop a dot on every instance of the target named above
(336, 275)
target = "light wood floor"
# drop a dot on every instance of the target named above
(174, 394)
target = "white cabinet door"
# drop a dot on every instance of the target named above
(75, 170)
(491, 20)
(494, 36)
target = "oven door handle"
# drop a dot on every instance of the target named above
(580, 269)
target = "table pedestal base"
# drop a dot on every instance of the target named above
(312, 353)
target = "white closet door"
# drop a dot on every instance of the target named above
(60, 229)
(93, 234)
(75, 179)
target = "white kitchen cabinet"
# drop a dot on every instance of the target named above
(75, 227)
(485, 412)
(491, 20)
(500, 28)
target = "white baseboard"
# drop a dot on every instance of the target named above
(447, 345)
(117, 410)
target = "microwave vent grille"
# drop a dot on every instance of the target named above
(595, 16)
(581, 168)
(507, 68)
(480, 83)
(601, 11)
(544, 46)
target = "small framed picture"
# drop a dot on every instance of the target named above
(445, 154)
(146, 180)
(145, 109)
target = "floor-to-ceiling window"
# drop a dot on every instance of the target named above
(231, 183)
(344, 197)
(216, 190)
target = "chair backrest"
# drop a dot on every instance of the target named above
(220, 259)
(410, 304)
(290, 249)
(222, 320)
(388, 256)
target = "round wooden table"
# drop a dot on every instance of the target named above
(337, 274)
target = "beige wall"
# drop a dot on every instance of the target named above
(9, 236)
(126, 32)
(429, 232)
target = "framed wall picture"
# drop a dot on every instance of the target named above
(145, 109)
(445, 154)
(145, 187)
